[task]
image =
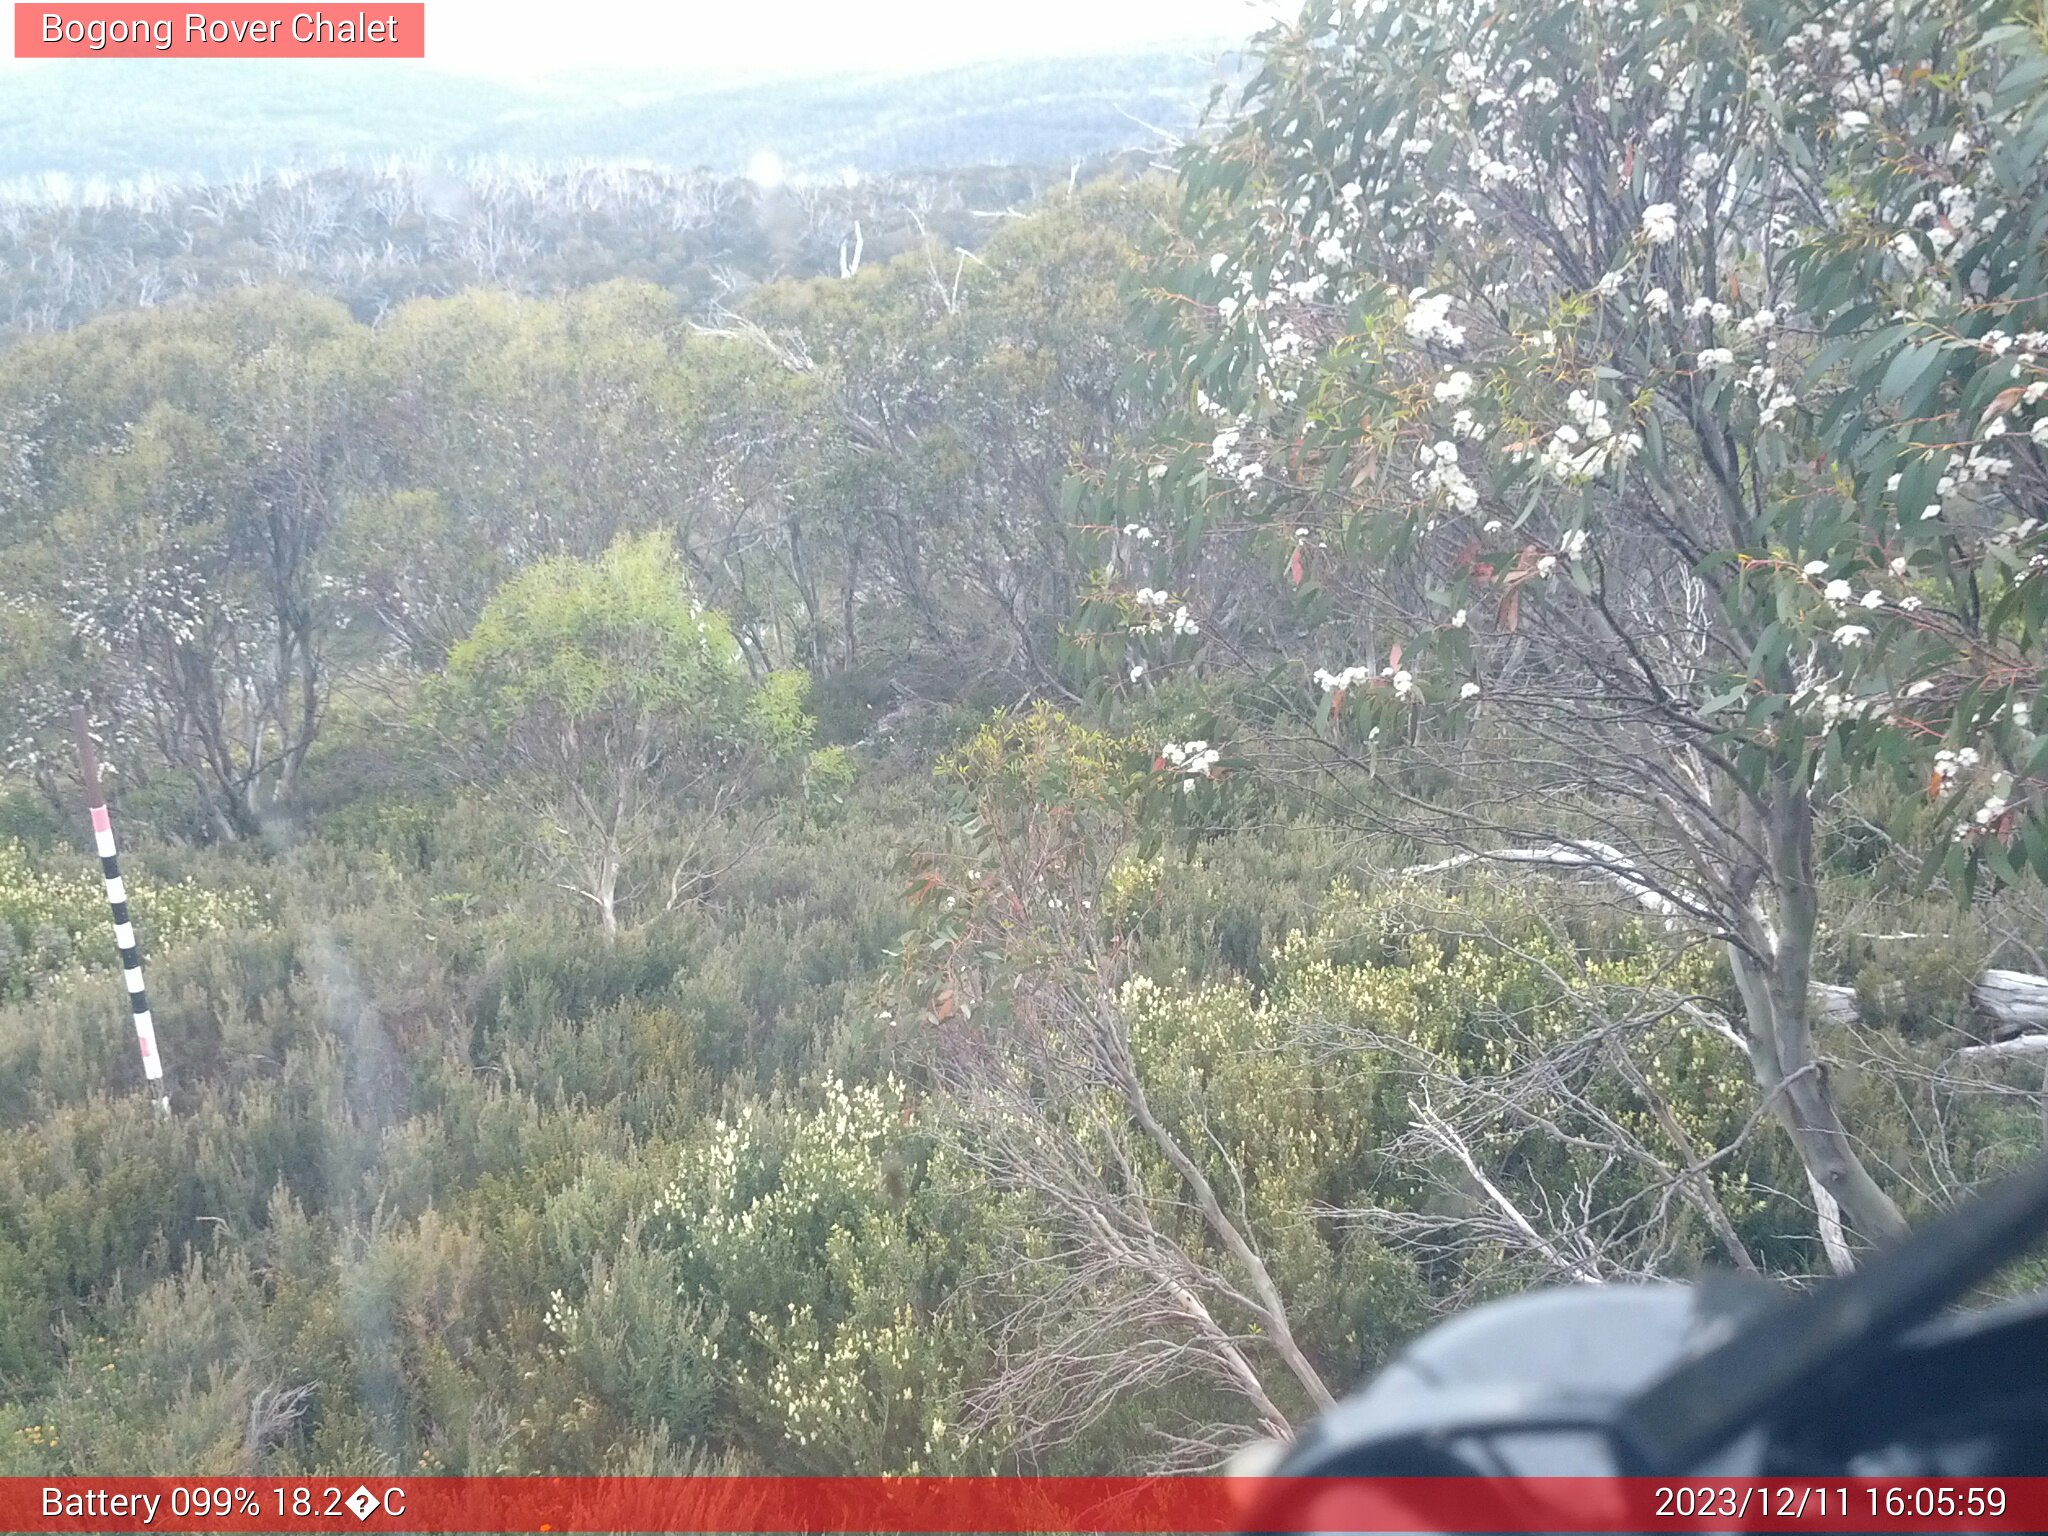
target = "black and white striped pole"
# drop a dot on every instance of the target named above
(117, 901)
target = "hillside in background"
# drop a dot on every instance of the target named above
(123, 185)
(117, 120)
(374, 237)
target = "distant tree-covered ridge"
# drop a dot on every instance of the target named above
(115, 120)
(369, 183)
(376, 236)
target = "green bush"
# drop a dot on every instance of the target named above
(54, 920)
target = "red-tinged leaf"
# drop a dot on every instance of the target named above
(1511, 610)
(1394, 658)
(2003, 401)
(1294, 567)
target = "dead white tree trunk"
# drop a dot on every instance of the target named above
(1440, 1131)
(2018, 1047)
(1608, 862)
(1837, 1005)
(1828, 1214)
(2014, 1001)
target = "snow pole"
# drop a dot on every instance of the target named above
(117, 902)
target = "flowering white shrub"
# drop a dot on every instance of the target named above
(1193, 761)
(52, 924)
(1746, 486)
(814, 1233)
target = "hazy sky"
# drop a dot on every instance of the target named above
(530, 37)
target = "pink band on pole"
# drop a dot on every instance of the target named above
(101, 821)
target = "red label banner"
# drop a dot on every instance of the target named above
(748, 1506)
(231, 31)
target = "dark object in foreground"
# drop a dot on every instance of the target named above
(1860, 1377)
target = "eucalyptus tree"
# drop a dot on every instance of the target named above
(960, 390)
(605, 701)
(1631, 417)
(177, 483)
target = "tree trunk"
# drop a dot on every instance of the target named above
(606, 891)
(1795, 1087)
(1774, 973)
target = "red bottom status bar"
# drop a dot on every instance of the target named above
(744, 1506)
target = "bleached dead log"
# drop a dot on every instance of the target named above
(1835, 1005)
(2019, 1047)
(1598, 857)
(2013, 1003)
(2016, 1002)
